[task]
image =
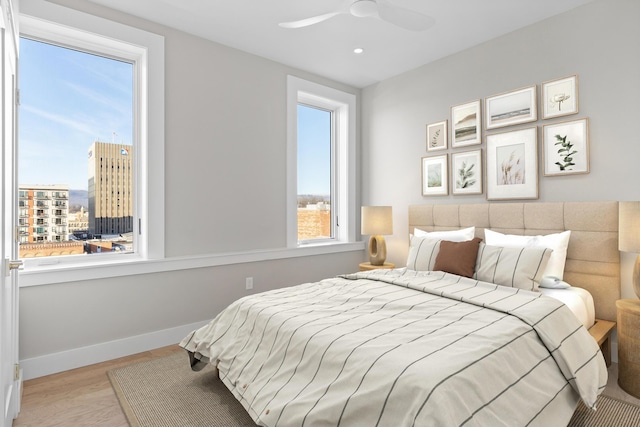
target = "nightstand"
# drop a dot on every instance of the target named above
(366, 266)
(629, 345)
(601, 332)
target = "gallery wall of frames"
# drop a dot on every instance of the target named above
(491, 146)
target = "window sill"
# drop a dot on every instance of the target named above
(48, 275)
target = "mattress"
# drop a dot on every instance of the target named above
(579, 300)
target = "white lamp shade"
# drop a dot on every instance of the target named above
(629, 227)
(376, 220)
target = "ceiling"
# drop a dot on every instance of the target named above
(326, 48)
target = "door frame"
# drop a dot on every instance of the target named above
(10, 373)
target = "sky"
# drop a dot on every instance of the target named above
(314, 151)
(68, 100)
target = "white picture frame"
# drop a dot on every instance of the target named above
(466, 172)
(560, 97)
(511, 108)
(512, 165)
(435, 179)
(437, 138)
(565, 149)
(466, 124)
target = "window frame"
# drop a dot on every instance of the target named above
(343, 108)
(77, 30)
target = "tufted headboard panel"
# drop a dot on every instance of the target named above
(593, 259)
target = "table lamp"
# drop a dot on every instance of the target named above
(376, 221)
(629, 239)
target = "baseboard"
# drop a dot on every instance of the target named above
(70, 359)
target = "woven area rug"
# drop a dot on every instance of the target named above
(166, 393)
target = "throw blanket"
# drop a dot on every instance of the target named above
(402, 348)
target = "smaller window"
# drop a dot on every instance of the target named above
(315, 173)
(320, 164)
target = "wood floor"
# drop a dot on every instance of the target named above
(81, 397)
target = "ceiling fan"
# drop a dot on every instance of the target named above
(381, 9)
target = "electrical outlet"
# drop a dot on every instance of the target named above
(249, 283)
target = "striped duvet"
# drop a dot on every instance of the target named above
(402, 348)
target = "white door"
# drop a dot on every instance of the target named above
(9, 372)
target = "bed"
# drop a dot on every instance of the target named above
(409, 347)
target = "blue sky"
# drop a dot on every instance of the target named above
(68, 100)
(314, 151)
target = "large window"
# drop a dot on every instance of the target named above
(321, 164)
(76, 165)
(91, 144)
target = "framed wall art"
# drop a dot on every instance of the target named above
(560, 97)
(466, 172)
(511, 108)
(512, 165)
(565, 148)
(437, 136)
(434, 176)
(466, 124)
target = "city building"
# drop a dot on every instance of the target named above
(314, 221)
(79, 222)
(43, 212)
(110, 189)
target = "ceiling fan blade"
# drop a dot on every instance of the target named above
(405, 18)
(309, 21)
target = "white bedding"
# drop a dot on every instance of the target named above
(579, 300)
(402, 348)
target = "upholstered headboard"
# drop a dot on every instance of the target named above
(593, 259)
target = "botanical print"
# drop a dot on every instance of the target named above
(466, 176)
(511, 164)
(466, 172)
(566, 148)
(555, 101)
(434, 175)
(436, 139)
(560, 97)
(437, 136)
(566, 152)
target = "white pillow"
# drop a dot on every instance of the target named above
(422, 253)
(516, 267)
(462, 235)
(558, 242)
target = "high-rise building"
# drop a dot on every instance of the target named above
(43, 212)
(110, 188)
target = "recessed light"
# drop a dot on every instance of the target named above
(358, 50)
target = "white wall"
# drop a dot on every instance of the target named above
(225, 128)
(598, 41)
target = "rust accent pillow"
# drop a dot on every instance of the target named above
(458, 257)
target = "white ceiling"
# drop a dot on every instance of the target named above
(327, 48)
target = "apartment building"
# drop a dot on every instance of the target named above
(43, 212)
